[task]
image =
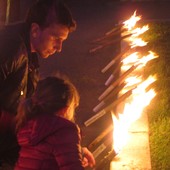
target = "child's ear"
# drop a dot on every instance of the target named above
(63, 112)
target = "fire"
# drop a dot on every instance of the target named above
(138, 31)
(132, 58)
(131, 22)
(137, 42)
(147, 58)
(131, 82)
(135, 59)
(133, 109)
(129, 61)
(140, 97)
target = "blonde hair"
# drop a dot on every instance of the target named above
(51, 95)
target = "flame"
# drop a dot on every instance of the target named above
(120, 133)
(129, 60)
(134, 40)
(132, 80)
(131, 83)
(134, 105)
(132, 58)
(131, 22)
(137, 42)
(147, 58)
(133, 109)
(138, 31)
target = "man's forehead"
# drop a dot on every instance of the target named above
(59, 29)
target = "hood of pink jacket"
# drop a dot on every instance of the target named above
(38, 129)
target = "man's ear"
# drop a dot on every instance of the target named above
(35, 30)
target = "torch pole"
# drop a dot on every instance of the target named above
(100, 137)
(8, 11)
(115, 59)
(107, 108)
(118, 81)
(111, 77)
(117, 27)
(118, 32)
(107, 144)
(109, 43)
(109, 97)
(105, 162)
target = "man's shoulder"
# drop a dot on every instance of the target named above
(11, 42)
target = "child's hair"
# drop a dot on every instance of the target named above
(51, 95)
(47, 12)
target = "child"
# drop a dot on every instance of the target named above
(46, 131)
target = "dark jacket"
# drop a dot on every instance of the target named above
(18, 79)
(18, 67)
(49, 143)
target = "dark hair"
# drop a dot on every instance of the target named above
(47, 12)
(51, 95)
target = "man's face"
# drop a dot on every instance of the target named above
(49, 40)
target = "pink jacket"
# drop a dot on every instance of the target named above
(49, 143)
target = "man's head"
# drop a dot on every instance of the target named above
(50, 22)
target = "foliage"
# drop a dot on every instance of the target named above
(158, 37)
(160, 144)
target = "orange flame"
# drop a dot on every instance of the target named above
(134, 59)
(132, 111)
(138, 31)
(147, 58)
(137, 42)
(131, 22)
(134, 105)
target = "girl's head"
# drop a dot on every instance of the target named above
(52, 96)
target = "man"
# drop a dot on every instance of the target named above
(47, 25)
